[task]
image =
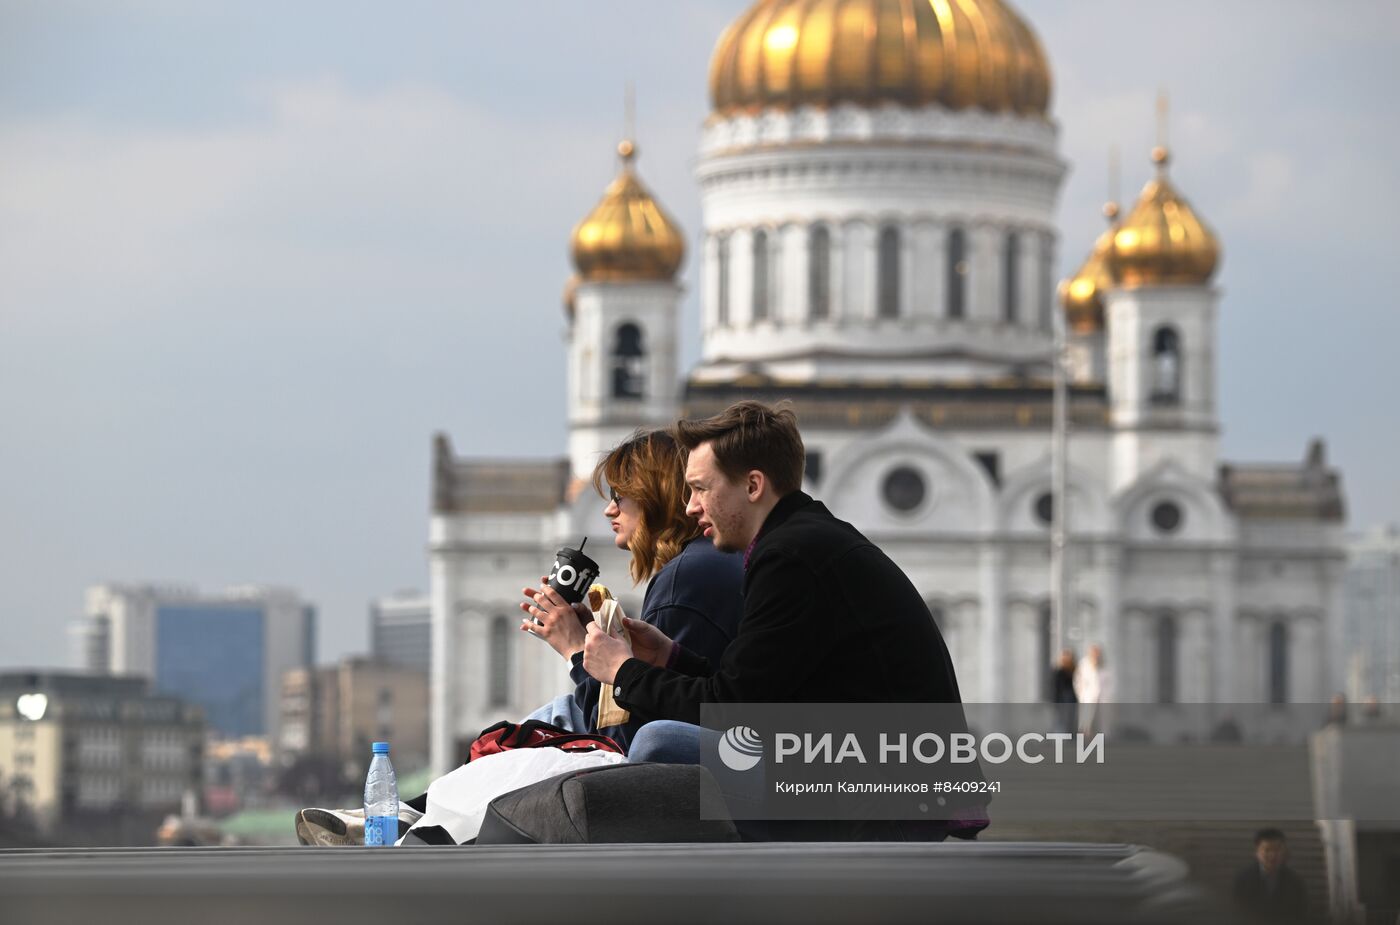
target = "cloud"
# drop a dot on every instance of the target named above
(329, 191)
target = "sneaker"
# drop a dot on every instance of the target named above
(336, 828)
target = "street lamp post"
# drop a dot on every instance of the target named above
(1059, 493)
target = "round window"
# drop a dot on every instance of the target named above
(1045, 508)
(1166, 517)
(904, 489)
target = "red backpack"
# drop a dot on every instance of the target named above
(532, 733)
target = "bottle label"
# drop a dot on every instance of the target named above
(381, 830)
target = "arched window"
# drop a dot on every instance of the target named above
(722, 258)
(1166, 366)
(1166, 658)
(760, 275)
(1010, 269)
(957, 273)
(819, 272)
(1278, 662)
(887, 296)
(1043, 650)
(628, 363)
(499, 669)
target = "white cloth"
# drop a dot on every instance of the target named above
(457, 801)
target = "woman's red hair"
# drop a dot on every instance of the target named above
(649, 468)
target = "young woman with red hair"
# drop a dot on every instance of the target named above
(695, 592)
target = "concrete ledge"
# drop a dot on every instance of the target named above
(1003, 882)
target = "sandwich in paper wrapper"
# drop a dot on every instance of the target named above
(607, 613)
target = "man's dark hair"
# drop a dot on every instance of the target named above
(750, 435)
(1264, 835)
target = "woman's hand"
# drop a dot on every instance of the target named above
(648, 643)
(560, 624)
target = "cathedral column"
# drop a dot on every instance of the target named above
(1111, 619)
(796, 256)
(926, 296)
(1028, 299)
(983, 285)
(993, 633)
(1306, 672)
(837, 311)
(443, 676)
(1136, 666)
(1332, 638)
(741, 272)
(709, 289)
(858, 282)
(1225, 686)
(1196, 667)
(906, 269)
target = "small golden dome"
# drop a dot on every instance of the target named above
(627, 236)
(958, 53)
(1163, 241)
(1082, 294)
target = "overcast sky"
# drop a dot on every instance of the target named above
(252, 255)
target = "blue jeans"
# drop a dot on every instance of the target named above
(563, 712)
(668, 741)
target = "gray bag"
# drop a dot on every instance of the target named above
(623, 803)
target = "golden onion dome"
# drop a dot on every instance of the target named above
(962, 54)
(627, 236)
(1163, 241)
(1082, 295)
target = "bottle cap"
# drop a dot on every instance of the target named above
(380, 748)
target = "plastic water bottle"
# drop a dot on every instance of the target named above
(381, 799)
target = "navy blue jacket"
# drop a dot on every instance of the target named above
(696, 599)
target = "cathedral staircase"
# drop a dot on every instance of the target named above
(1220, 841)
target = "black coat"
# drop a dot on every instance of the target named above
(1287, 902)
(828, 618)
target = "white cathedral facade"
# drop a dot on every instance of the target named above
(878, 193)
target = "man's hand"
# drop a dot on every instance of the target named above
(648, 643)
(559, 624)
(603, 655)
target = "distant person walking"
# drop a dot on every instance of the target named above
(1062, 692)
(1337, 710)
(1093, 688)
(1268, 890)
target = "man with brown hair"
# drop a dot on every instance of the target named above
(828, 617)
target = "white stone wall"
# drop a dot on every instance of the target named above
(911, 172)
(1149, 433)
(597, 420)
(977, 552)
